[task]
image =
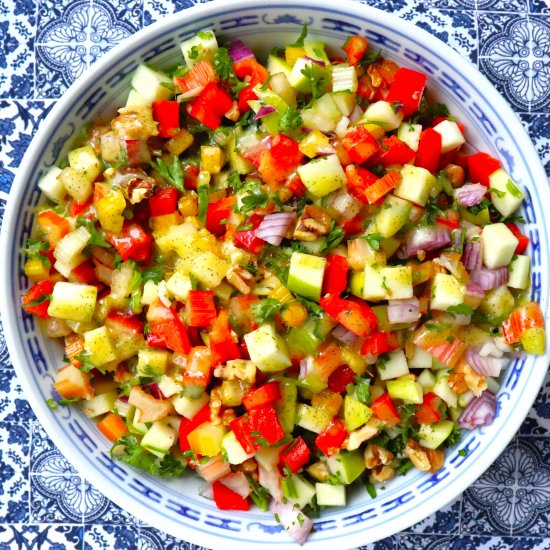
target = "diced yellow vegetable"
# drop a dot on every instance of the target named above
(292, 53)
(76, 183)
(35, 270)
(98, 345)
(313, 141)
(178, 143)
(206, 440)
(73, 301)
(152, 362)
(212, 159)
(109, 211)
(209, 269)
(85, 160)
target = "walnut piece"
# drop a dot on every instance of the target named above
(375, 455)
(313, 223)
(427, 460)
(361, 434)
(381, 473)
(241, 279)
(464, 378)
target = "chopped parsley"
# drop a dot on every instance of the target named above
(362, 389)
(290, 119)
(335, 236)
(265, 310)
(172, 173)
(513, 189)
(374, 240)
(317, 82)
(97, 238)
(300, 40)
(37, 249)
(255, 197)
(460, 309)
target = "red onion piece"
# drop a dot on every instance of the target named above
(403, 311)
(239, 51)
(474, 290)
(472, 256)
(485, 366)
(425, 239)
(293, 520)
(304, 364)
(274, 227)
(480, 411)
(488, 279)
(270, 479)
(470, 194)
(123, 398)
(264, 111)
(316, 61)
(238, 483)
(155, 390)
(342, 334)
(356, 114)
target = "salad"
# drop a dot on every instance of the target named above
(285, 278)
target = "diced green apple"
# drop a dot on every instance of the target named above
(323, 115)
(520, 272)
(498, 245)
(415, 185)
(426, 379)
(267, 349)
(232, 450)
(347, 467)
(421, 359)
(394, 366)
(73, 301)
(432, 436)
(148, 83)
(201, 46)
(99, 347)
(159, 438)
(152, 362)
(406, 389)
(100, 404)
(311, 418)
(305, 275)
(446, 292)
(497, 302)
(392, 216)
(383, 114)
(506, 197)
(451, 136)
(355, 413)
(305, 491)
(322, 175)
(51, 186)
(330, 495)
(410, 134)
(187, 406)
(441, 389)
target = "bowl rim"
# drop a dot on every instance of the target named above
(23, 176)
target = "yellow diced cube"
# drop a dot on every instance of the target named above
(35, 270)
(152, 362)
(292, 53)
(109, 211)
(206, 440)
(313, 141)
(209, 269)
(98, 345)
(85, 160)
(178, 143)
(212, 159)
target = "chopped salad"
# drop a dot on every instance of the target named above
(283, 277)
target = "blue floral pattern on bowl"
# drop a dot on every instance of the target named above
(39, 486)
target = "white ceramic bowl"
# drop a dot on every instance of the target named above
(175, 506)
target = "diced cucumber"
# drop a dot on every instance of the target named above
(465, 398)
(267, 349)
(344, 79)
(304, 490)
(236, 161)
(270, 98)
(355, 413)
(322, 175)
(159, 438)
(148, 84)
(330, 495)
(446, 292)
(498, 245)
(77, 183)
(51, 186)
(397, 281)
(133, 423)
(389, 246)
(299, 80)
(356, 283)
(392, 216)
(168, 386)
(498, 302)
(316, 50)
(99, 347)
(395, 365)
(188, 407)
(421, 359)
(451, 136)
(346, 102)
(201, 46)
(347, 467)
(305, 275)
(312, 418)
(232, 450)
(416, 184)
(383, 114)
(373, 284)
(507, 197)
(323, 115)
(410, 134)
(152, 362)
(85, 161)
(100, 404)
(406, 389)
(303, 340)
(315, 247)
(441, 389)
(426, 379)
(179, 285)
(520, 272)
(277, 65)
(286, 406)
(432, 436)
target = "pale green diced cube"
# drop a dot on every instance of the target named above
(159, 438)
(73, 301)
(498, 245)
(85, 160)
(322, 175)
(507, 197)
(98, 345)
(100, 404)
(168, 386)
(148, 84)
(451, 136)
(373, 282)
(415, 185)
(267, 349)
(446, 292)
(179, 285)
(152, 362)
(51, 186)
(394, 366)
(150, 293)
(520, 272)
(382, 113)
(201, 46)
(397, 281)
(410, 134)
(330, 495)
(189, 407)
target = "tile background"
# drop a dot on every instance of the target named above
(44, 45)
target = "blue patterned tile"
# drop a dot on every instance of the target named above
(4, 356)
(444, 521)
(466, 542)
(42, 537)
(452, 4)
(502, 5)
(45, 458)
(16, 50)
(14, 472)
(13, 405)
(99, 509)
(153, 10)
(116, 537)
(153, 539)
(538, 420)
(539, 6)
(72, 36)
(56, 499)
(389, 543)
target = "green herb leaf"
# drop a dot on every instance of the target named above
(370, 57)
(335, 236)
(500, 194)
(203, 192)
(513, 189)
(97, 238)
(40, 300)
(463, 452)
(259, 495)
(460, 309)
(223, 64)
(300, 41)
(291, 119)
(374, 240)
(255, 197)
(362, 389)
(172, 173)
(371, 490)
(455, 436)
(33, 249)
(265, 310)
(317, 82)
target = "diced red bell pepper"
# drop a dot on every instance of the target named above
(167, 114)
(523, 318)
(246, 94)
(407, 89)
(124, 323)
(155, 341)
(247, 239)
(218, 213)
(53, 225)
(353, 226)
(37, 299)
(78, 208)
(381, 186)
(395, 151)
(279, 159)
(133, 243)
(429, 150)
(212, 103)
(427, 412)
(200, 308)
(240, 309)
(355, 48)
(188, 425)
(166, 324)
(332, 438)
(336, 275)
(138, 151)
(296, 186)
(523, 240)
(84, 272)
(358, 179)
(340, 378)
(360, 144)
(256, 73)
(481, 166)
(199, 368)
(257, 428)
(356, 317)
(191, 173)
(451, 220)
(164, 201)
(226, 499)
(379, 342)
(221, 342)
(262, 396)
(295, 455)
(384, 409)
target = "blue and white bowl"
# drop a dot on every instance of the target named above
(175, 506)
